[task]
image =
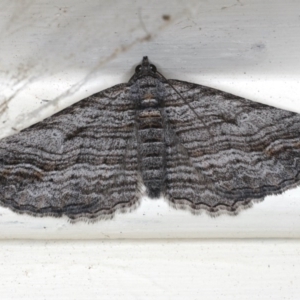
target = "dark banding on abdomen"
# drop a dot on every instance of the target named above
(150, 134)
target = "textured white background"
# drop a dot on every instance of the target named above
(63, 51)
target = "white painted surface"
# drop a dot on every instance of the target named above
(64, 51)
(143, 269)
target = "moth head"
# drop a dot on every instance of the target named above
(145, 68)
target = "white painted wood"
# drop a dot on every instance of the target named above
(143, 269)
(65, 50)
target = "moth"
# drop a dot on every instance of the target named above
(198, 147)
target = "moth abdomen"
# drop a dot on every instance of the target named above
(151, 149)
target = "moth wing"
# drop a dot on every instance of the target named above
(80, 162)
(240, 149)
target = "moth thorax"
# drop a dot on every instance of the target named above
(149, 102)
